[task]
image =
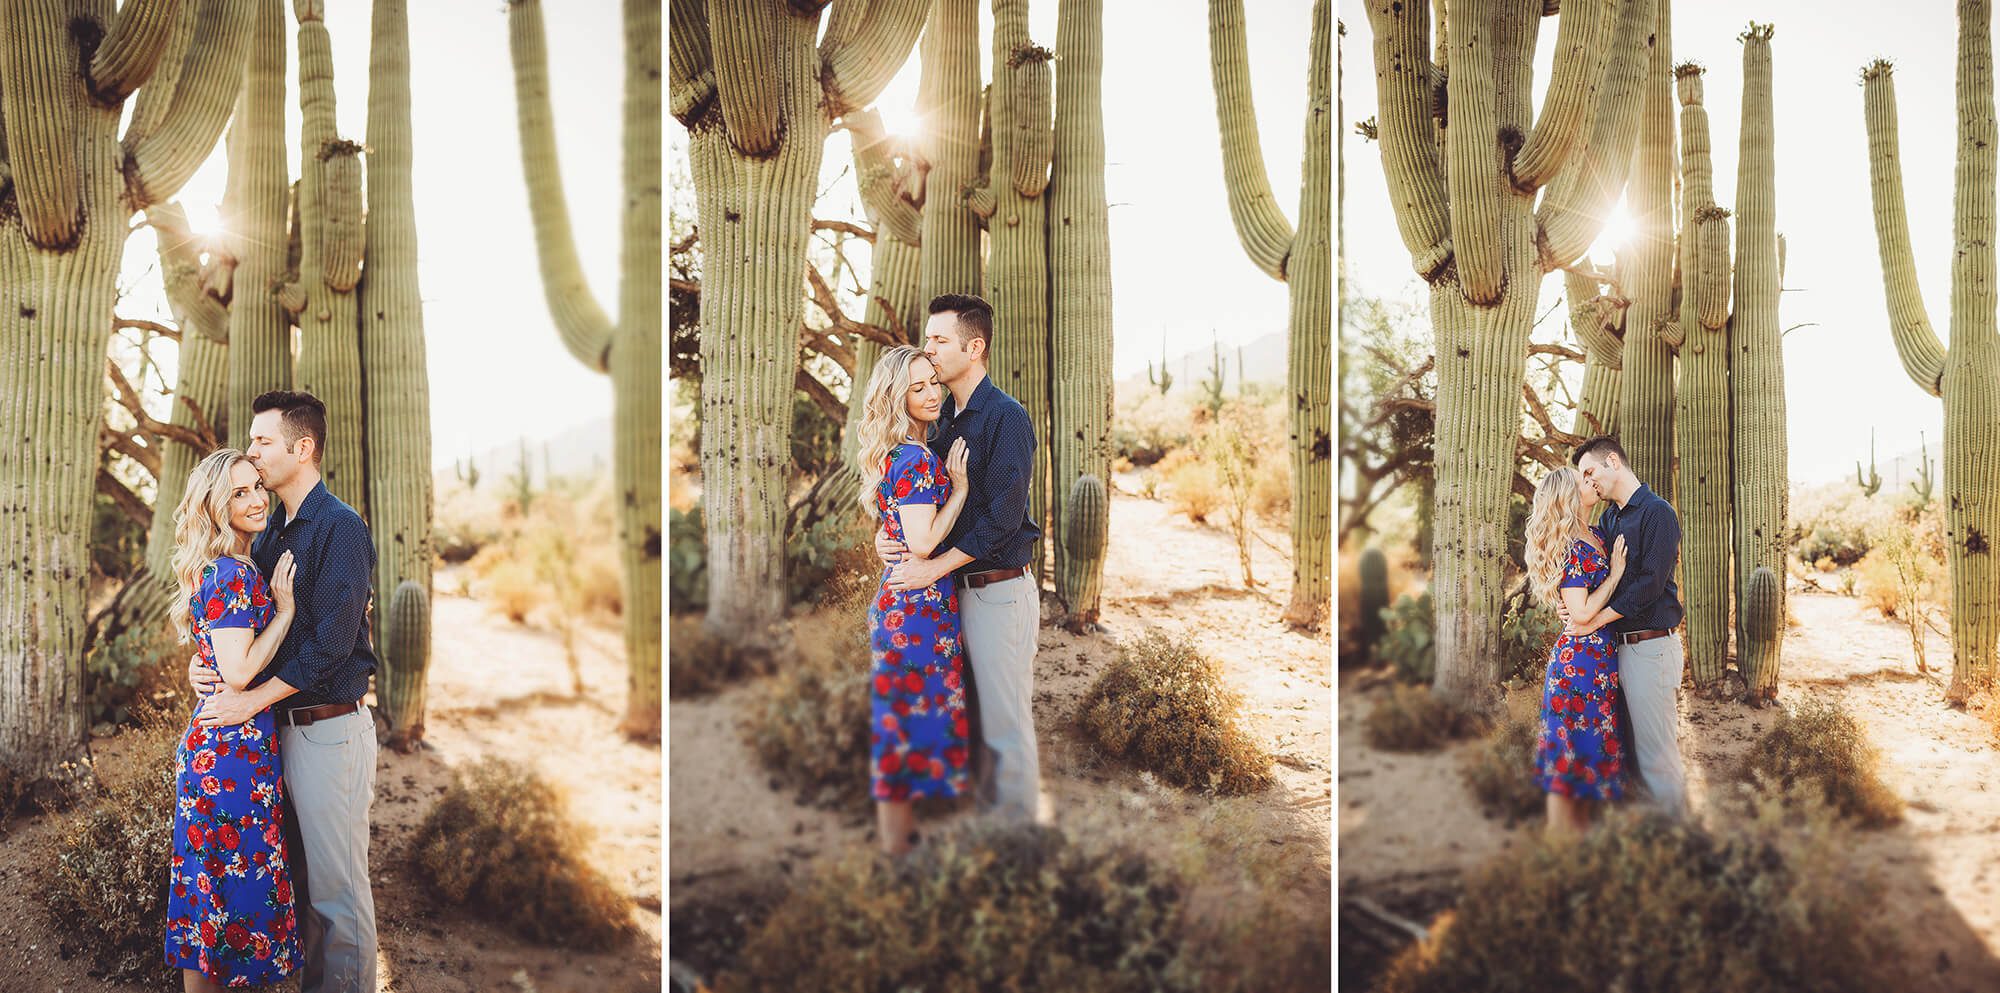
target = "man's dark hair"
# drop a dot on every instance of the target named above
(1603, 444)
(975, 316)
(304, 417)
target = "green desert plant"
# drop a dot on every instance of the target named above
(1871, 483)
(1230, 447)
(1501, 771)
(1165, 707)
(501, 843)
(1922, 485)
(687, 559)
(1962, 372)
(1636, 904)
(809, 726)
(1162, 379)
(1303, 259)
(1374, 575)
(1218, 372)
(1406, 642)
(1822, 750)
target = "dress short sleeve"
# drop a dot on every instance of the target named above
(233, 595)
(1576, 571)
(918, 478)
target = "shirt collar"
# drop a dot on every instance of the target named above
(312, 504)
(1639, 496)
(979, 394)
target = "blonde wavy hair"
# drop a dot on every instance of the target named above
(201, 531)
(1554, 525)
(885, 420)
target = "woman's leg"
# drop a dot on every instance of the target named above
(895, 826)
(1565, 814)
(195, 982)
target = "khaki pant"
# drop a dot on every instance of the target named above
(1650, 675)
(1002, 623)
(329, 785)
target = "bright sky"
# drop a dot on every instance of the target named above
(1177, 269)
(1843, 376)
(497, 370)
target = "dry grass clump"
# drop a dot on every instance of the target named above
(105, 888)
(1164, 707)
(699, 663)
(1411, 719)
(1649, 904)
(1822, 751)
(501, 842)
(981, 907)
(809, 726)
(1501, 771)
(1194, 487)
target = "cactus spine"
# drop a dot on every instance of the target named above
(1702, 417)
(1872, 482)
(1757, 374)
(1305, 261)
(1017, 265)
(1469, 219)
(64, 221)
(1965, 373)
(1922, 484)
(1079, 247)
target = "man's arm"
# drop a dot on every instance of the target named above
(228, 708)
(326, 634)
(1659, 547)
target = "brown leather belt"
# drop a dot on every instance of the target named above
(976, 580)
(307, 715)
(1635, 637)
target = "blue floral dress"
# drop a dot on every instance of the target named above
(1578, 753)
(229, 909)
(917, 721)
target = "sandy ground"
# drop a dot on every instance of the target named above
(497, 689)
(1409, 828)
(729, 829)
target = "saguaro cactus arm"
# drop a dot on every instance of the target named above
(35, 55)
(1260, 224)
(1409, 149)
(690, 74)
(875, 171)
(160, 160)
(741, 40)
(1472, 167)
(156, 96)
(131, 51)
(859, 63)
(1032, 118)
(1917, 343)
(1572, 213)
(1595, 318)
(1583, 45)
(581, 321)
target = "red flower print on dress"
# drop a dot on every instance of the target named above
(215, 608)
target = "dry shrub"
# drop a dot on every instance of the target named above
(1649, 904)
(514, 590)
(1412, 719)
(699, 663)
(105, 889)
(1821, 751)
(1165, 708)
(1264, 947)
(501, 842)
(1501, 771)
(980, 907)
(1194, 488)
(809, 726)
(1876, 582)
(1271, 491)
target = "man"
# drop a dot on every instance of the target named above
(1645, 610)
(326, 736)
(1000, 603)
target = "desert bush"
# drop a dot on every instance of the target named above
(1528, 631)
(511, 585)
(1149, 425)
(1232, 449)
(1271, 491)
(1501, 771)
(699, 663)
(1412, 719)
(815, 437)
(1821, 750)
(687, 560)
(117, 542)
(1650, 904)
(501, 842)
(1837, 523)
(809, 726)
(104, 888)
(139, 669)
(1164, 707)
(981, 907)
(838, 544)
(1409, 638)
(1194, 488)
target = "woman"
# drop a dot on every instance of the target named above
(917, 724)
(1578, 756)
(230, 920)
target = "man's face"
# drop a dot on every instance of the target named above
(267, 449)
(1596, 470)
(946, 349)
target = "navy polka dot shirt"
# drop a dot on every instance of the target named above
(326, 655)
(1000, 444)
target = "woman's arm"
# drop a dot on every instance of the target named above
(926, 526)
(240, 652)
(1585, 609)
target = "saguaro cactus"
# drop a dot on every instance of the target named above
(1598, 320)
(259, 329)
(891, 193)
(1922, 485)
(1646, 376)
(1474, 232)
(948, 100)
(69, 184)
(1079, 246)
(1763, 624)
(1966, 373)
(1872, 482)
(1702, 417)
(1374, 572)
(759, 98)
(1757, 370)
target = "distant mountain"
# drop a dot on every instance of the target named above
(1264, 357)
(580, 450)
